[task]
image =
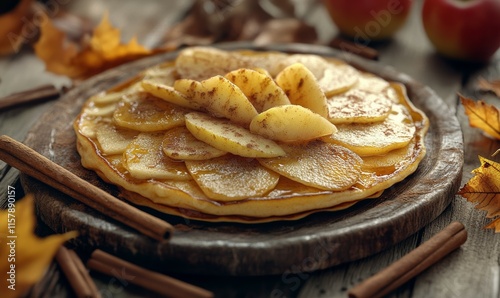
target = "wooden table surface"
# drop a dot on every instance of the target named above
(471, 271)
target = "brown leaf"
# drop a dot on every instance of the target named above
(493, 86)
(102, 51)
(483, 189)
(12, 22)
(483, 116)
(25, 257)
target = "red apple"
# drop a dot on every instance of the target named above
(367, 20)
(463, 29)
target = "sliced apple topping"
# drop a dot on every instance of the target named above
(317, 164)
(144, 112)
(198, 63)
(396, 131)
(302, 88)
(386, 163)
(259, 88)
(227, 136)
(99, 110)
(144, 159)
(169, 94)
(162, 74)
(107, 98)
(114, 140)
(232, 178)
(371, 83)
(180, 144)
(291, 123)
(338, 78)
(219, 97)
(357, 106)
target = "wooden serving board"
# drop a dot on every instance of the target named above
(315, 242)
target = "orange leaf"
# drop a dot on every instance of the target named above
(104, 50)
(493, 86)
(483, 189)
(25, 257)
(483, 116)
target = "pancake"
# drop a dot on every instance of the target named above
(134, 136)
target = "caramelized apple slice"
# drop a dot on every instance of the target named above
(99, 110)
(180, 144)
(317, 164)
(302, 88)
(389, 162)
(144, 159)
(143, 112)
(357, 106)
(259, 88)
(114, 140)
(291, 123)
(220, 98)
(396, 131)
(232, 178)
(226, 136)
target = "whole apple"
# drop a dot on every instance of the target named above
(463, 29)
(367, 20)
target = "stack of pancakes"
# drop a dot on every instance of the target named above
(250, 136)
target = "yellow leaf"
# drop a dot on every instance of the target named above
(104, 50)
(24, 257)
(483, 116)
(483, 189)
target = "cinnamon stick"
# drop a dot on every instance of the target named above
(154, 281)
(38, 94)
(75, 272)
(354, 48)
(39, 167)
(412, 264)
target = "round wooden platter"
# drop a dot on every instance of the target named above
(316, 242)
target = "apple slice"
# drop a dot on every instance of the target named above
(163, 74)
(358, 106)
(200, 63)
(259, 88)
(396, 131)
(338, 78)
(232, 178)
(114, 140)
(371, 83)
(302, 88)
(144, 159)
(314, 63)
(169, 94)
(180, 144)
(144, 112)
(227, 136)
(317, 164)
(291, 123)
(220, 98)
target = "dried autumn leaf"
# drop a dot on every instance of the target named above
(493, 86)
(483, 116)
(12, 23)
(104, 50)
(483, 189)
(25, 257)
